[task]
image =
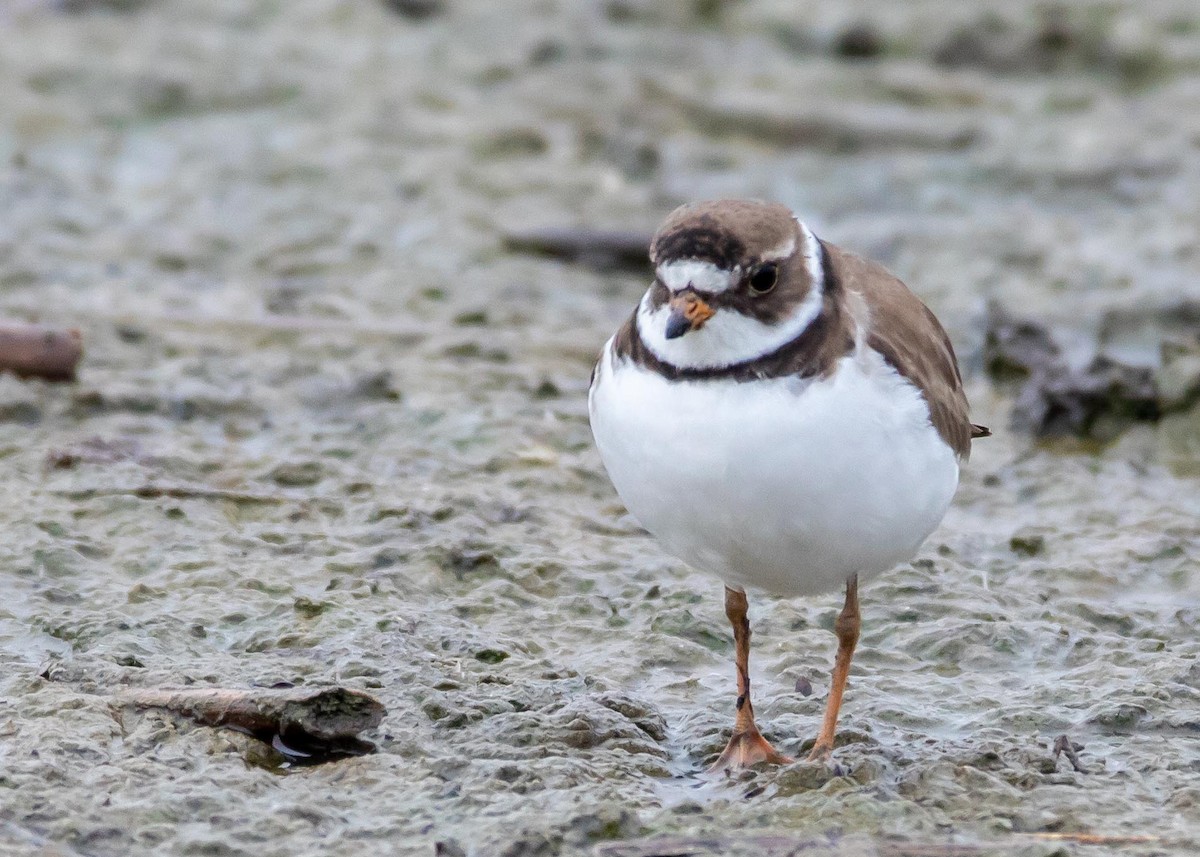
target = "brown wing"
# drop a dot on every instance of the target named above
(912, 340)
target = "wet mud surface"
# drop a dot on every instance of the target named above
(329, 430)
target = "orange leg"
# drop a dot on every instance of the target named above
(848, 623)
(747, 746)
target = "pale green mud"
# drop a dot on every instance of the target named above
(328, 431)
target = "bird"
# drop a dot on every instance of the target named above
(783, 414)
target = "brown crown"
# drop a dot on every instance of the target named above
(726, 232)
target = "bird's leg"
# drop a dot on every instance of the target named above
(747, 746)
(846, 627)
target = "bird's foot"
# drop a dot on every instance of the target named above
(820, 754)
(746, 748)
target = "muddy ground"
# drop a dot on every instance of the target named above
(328, 430)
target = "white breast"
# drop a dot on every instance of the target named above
(784, 484)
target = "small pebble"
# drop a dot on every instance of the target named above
(858, 41)
(416, 10)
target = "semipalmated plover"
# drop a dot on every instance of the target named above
(783, 414)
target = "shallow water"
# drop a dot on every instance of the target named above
(328, 431)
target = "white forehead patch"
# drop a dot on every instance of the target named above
(700, 275)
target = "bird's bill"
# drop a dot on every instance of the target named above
(688, 312)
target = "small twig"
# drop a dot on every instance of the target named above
(34, 351)
(1097, 838)
(1064, 746)
(174, 492)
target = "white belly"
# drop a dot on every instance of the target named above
(786, 485)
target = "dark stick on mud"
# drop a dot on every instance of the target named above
(175, 492)
(34, 351)
(1064, 746)
(599, 249)
(1099, 838)
(326, 716)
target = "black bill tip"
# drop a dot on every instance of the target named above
(677, 325)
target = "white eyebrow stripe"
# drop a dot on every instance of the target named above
(782, 251)
(700, 275)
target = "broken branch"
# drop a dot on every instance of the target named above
(323, 721)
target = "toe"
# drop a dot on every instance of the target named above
(746, 749)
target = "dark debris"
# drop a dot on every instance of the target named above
(1064, 746)
(1056, 398)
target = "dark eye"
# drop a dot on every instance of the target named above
(763, 279)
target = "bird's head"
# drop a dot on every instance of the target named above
(734, 280)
